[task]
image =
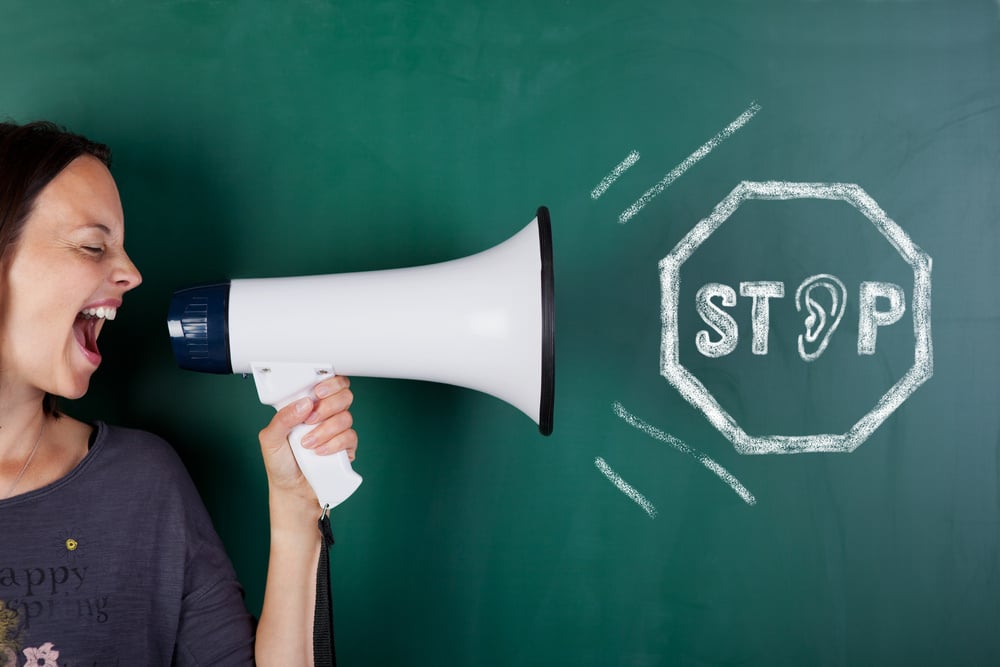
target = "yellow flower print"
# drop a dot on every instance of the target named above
(72, 544)
(10, 636)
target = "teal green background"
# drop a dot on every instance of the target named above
(260, 139)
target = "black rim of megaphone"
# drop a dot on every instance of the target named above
(548, 399)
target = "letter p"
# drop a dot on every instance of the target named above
(870, 318)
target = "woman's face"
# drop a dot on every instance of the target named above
(62, 280)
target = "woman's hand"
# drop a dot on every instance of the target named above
(333, 433)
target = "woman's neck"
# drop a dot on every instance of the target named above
(20, 438)
(36, 449)
(21, 418)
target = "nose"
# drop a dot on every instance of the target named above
(125, 274)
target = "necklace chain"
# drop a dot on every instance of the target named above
(27, 461)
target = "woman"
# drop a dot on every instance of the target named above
(107, 555)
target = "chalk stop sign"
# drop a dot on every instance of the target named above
(807, 354)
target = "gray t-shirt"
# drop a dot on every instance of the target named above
(118, 564)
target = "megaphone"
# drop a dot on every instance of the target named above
(484, 322)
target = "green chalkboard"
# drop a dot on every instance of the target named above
(697, 504)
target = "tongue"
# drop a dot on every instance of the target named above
(85, 331)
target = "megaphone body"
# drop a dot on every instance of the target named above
(484, 322)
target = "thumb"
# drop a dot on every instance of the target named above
(274, 436)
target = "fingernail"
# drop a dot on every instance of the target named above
(308, 439)
(304, 405)
(322, 391)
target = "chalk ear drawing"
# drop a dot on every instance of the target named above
(821, 322)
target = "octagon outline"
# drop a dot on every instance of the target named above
(700, 397)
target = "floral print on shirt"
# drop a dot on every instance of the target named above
(11, 633)
(43, 656)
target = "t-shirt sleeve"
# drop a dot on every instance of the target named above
(214, 627)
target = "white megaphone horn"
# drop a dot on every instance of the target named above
(485, 322)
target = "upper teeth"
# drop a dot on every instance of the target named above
(104, 312)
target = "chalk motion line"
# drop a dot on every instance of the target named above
(608, 180)
(625, 487)
(689, 162)
(679, 445)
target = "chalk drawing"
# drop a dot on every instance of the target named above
(721, 321)
(762, 292)
(608, 180)
(689, 162)
(625, 487)
(699, 396)
(816, 320)
(681, 446)
(870, 318)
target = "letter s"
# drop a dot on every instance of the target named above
(718, 319)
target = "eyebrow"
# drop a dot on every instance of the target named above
(100, 226)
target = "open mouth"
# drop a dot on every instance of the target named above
(87, 327)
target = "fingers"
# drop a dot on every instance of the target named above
(329, 415)
(334, 396)
(330, 438)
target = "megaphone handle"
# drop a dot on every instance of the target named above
(331, 477)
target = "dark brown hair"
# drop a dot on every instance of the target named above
(31, 155)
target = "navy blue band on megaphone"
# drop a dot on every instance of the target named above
(198, 325)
